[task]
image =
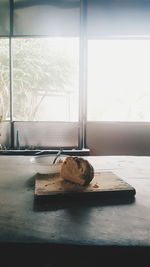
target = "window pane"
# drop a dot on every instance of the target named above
(115, 17)
(4, 17)
(4, 79)
(54, 18)
(54, 134)
(45, 79)
(118, 80)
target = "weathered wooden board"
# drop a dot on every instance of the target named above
(104, 183)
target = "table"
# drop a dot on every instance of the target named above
(90, 230)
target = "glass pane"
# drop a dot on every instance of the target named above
(4, 17)
(118, 80)
(4, 80)
(55, 18)
(45, 79)
(57, 134)
(115, 17)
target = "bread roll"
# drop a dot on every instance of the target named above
(77, 170)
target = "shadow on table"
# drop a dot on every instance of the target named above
(47, 203)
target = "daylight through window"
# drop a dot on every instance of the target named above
(118, 80)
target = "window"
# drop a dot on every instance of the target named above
(67, 63)
(40, 68)
(118, 80)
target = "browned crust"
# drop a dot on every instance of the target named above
(89, 173)
(83, 171)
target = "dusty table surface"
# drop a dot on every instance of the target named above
(100, 224)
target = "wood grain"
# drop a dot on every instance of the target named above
(102, 182)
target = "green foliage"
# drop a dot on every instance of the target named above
(41, 67)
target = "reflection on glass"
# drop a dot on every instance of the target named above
(45, 79)
(118, 80)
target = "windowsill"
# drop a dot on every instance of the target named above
(73, 152)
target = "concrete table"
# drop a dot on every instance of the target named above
(89, 230)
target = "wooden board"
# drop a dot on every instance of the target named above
(103, 183)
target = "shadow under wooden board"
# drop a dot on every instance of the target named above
(104, 185)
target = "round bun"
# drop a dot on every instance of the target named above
(77, 170)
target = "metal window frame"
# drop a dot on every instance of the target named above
(83, 73)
